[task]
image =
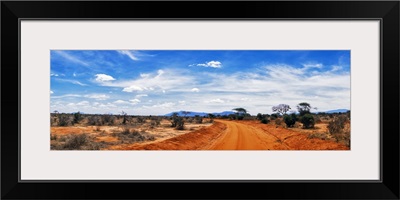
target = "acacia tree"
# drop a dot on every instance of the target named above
(240, 110)
(281, 108)
(304, 108)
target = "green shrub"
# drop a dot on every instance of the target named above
(108, 120)
(77, 117)
(337, 124)
(264, 121)
(274, 116)
(76, 141)
(232, 116)
(130, 136)
(177, 122)
(180, 124)
(308, 121)
(198, 119)
(63, 120)
(290, 120)
(94, 120)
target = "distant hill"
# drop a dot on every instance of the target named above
(337, 111)
(202, 114)
(328, 112)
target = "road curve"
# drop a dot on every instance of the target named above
(238, 136)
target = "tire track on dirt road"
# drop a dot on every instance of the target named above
(240, 136)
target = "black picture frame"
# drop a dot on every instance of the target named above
(386, 11)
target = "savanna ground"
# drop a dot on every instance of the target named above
(122, 132)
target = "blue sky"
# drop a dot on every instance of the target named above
(157, 82)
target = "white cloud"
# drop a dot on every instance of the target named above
(277, 84)
(164, 105)
(336, 68)
(52, 74)
(134, 101)
(103, 78)
(144, 75)
(71, 81)
(215, 101)
(160, 72)
(71, 58)
(65, 96)
(141, 95)
(168, 80)
(313, 65)
(120, 102)
(132, 88)
(130, 54)
(51, 92)
(97, 96)
(255, 91)
(213, 64)
(78, 83)
(83, 103)
(108, 106)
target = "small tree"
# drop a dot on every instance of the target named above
(259, 116)
(177, 122)
(124, 114)
(77, 117)
(198, 119)
(173, 119)
(63, 120)
(290, 120)
(308, 121)
(107, 119)
(281, 108)
(211, 116)
(264, 121)
(240, 111)
(304, 108)
(180, 123)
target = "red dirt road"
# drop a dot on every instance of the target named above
(240, 135)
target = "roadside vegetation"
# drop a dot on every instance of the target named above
(98, 132)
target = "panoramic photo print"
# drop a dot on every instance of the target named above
(200, 100)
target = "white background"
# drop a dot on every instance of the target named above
(39, 163)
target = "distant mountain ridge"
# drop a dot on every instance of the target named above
(226, 113)
(201, 114)
(336, 111)
(328, 111)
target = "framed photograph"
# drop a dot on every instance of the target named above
(118, 95)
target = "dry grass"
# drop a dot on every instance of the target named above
(75, 142)
(84, 136)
